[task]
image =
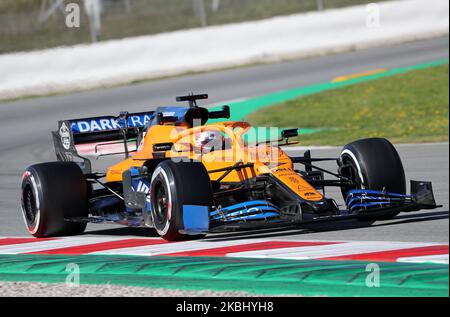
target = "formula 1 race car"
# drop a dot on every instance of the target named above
(186, 178)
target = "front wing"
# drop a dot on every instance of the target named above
(361, 204)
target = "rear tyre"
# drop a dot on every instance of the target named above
(374, 164)
(174, 185)
(51, 193)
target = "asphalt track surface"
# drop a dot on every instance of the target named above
(25, 136)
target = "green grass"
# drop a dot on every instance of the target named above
(411, 107)
(20, 30)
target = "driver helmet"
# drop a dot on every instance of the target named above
(209, 141)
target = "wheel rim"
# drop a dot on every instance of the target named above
(30, 209)
(161, 202)
(352, 174)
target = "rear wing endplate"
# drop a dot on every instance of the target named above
(74, 138)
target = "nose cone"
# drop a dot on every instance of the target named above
(298, 185)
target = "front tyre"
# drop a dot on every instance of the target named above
(174, 185)
(373, 164)
(51, 193)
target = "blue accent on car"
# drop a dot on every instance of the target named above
(245, 205)
(135, 120)
(178, 112)
(195, 219)
(140, 184)
(356, 199)
(252, 210)
(366, 199)
(245, 212)
(105, 203)
(109, 123)
(261, 216)
(171, 111)
(374, 192)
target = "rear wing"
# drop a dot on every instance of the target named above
(108, 135)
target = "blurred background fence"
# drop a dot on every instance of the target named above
(38, 24)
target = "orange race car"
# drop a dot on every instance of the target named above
(186, 178)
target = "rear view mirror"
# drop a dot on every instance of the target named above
(220, 114)
(290, 133)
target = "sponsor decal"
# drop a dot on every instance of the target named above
(302, 188)
(109, 123)
(162, 147)
(287, 174)
(281, 169)
(64, 133)
(142, 187)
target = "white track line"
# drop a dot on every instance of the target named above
(317, 252)
(439, 259)
(152, 250)
(54, 244)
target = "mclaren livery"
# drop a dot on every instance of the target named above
(185, 177)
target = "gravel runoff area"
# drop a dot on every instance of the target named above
(27, 289)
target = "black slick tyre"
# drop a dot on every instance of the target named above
(51, 193)
(172, 186)
(374, 164)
